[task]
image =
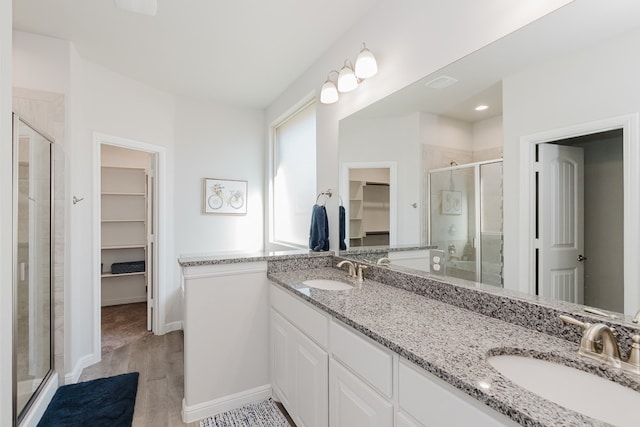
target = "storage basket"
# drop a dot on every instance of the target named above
(127, 267)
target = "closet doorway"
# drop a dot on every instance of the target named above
(127, 306)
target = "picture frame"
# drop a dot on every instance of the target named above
(451, 202)
(225, 196)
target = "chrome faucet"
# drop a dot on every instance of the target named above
(383, 261)
(610, 353)
(636, 318)
(352, 268)
(360, 275)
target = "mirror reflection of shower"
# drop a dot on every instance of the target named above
(465, 219)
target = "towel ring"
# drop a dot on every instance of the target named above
(327, 194)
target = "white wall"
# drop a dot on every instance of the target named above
(107, 102)
(446, 132)
(571, 90)
(411, 39)
(40, 63)
(6, 281)
(111, 155)
(102, 101)
(211, 141)
(218, 142)
(488, 134)
(394, 139)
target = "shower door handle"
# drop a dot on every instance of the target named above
(23, 271)
(582, 258)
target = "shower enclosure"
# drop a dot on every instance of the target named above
(32, 256)
(465, 219)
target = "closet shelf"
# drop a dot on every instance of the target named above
(125, 247)
(118, 193)
(137, 273)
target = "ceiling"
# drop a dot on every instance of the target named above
(479, 74)
(238, 52)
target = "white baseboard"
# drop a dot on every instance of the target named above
(120, 301)
(32, 418)
(208, 409)
(172, 326)
(88, 360)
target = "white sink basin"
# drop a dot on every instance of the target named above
(574, 389)
(327, 284)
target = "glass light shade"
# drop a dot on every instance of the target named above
(347, 80)
(366, 65)
(328, 93)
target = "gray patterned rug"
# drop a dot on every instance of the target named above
(261, 414)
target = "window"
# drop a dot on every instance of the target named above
(294, 177)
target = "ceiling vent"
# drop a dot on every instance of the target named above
(441, 82)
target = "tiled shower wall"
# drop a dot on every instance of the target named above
(46, 112)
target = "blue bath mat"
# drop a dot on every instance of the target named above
(104, 402)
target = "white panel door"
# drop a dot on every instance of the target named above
(312, 385)
(352, 403)
(151, 240)
(561, 222)
(403, 420)
(282, 348)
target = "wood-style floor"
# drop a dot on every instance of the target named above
(159, 360)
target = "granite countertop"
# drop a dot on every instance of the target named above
(451, 343)
(194, 260)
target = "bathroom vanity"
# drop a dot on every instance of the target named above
(397, 349)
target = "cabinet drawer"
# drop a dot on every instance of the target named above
(362, 356)
(353, 403)
(306, 318)
(433, 402)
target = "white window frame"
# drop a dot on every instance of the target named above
(272, 243)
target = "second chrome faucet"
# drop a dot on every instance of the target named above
(609, 353)
(354, 270)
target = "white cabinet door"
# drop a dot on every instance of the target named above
(355, 404)
(432, 402)
(300, 374)
(282, 356)
(312, 383)
(403, 420)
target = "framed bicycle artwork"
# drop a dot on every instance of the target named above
(451, 202)
(225, 196)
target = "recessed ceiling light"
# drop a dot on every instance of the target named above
(441, 82)
(145, 7)
(481, 107)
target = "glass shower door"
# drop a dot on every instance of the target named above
(465, 220)
(491, 237)
(32, 263)
(452, 224)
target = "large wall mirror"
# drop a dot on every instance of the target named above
(562, 103)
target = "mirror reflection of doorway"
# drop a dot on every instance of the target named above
(369, 207)
(580, 220)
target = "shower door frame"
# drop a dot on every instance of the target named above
(17, 418)
(477, 189)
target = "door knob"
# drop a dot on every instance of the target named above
(582, 258)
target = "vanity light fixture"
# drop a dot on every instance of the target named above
(347, 80)
(366, 65)
(349, 76)
(481, 107)
(329, 91)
